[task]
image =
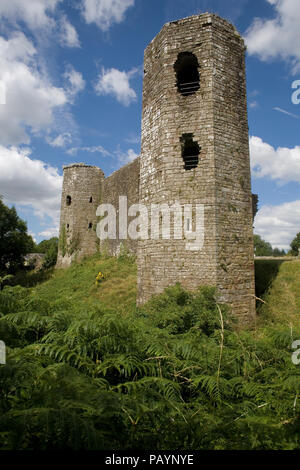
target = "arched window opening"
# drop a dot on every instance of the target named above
(190, 151)
(68, 200)
(91, 199)
(90, 225)
(188, 78)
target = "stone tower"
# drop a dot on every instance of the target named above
(195, 151)
(81, 196)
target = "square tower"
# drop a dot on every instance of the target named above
(195, 151)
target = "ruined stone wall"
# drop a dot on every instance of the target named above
(195, 151)
(80, 198)
(123, 182)
(234, 208)
(215, 118)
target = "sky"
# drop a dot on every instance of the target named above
(71, 77)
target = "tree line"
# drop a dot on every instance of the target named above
(264, 248)
(16, 242)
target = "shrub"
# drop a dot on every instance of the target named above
(171, 375)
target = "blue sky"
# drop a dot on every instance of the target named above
(71, 76)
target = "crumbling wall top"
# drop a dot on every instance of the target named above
(81, 165)
(206, 19)
(122, 168)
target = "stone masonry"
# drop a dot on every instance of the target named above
(81, 196)
(215, 117)
(195, 150)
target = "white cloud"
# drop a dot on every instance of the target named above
(254, 104)
(116, 83)
(94, 149)
(254, 93)
(133, 139)
(76, 83)
(35, 13)
(278, 37)
(30, 99)
(126, 157)
(50, 232)
(41, 16)
(68, 34)
(33, 236)
(281, 164)
(61, 140)
(31, 183)
(105, 12)
(278, 224)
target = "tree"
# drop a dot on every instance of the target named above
(51, 249)
(45, 245)
(261, 247)
(278, 252)
(295, 245)
(15, 242)
(5, 279)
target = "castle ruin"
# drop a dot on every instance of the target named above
(195, 151)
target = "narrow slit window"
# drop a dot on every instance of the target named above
(91, 199)
(190, 151)
(187, 73)
(90, 225)
(68, 200)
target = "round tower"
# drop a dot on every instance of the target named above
(81, 195)
(195, 151)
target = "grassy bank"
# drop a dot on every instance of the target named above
(87, 369)
(278, 283)
(77, 284)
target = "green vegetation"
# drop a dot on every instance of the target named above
(15, 242)
(5, 280)
(87, 369)
(74, 244)
(50, 248)
(282, 299)
(46, 245)
(295, 245)
(265, 272)
(263, 248)
(62, 243)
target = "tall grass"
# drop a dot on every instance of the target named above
(77, 284)
(282, 296)
(87, 369)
